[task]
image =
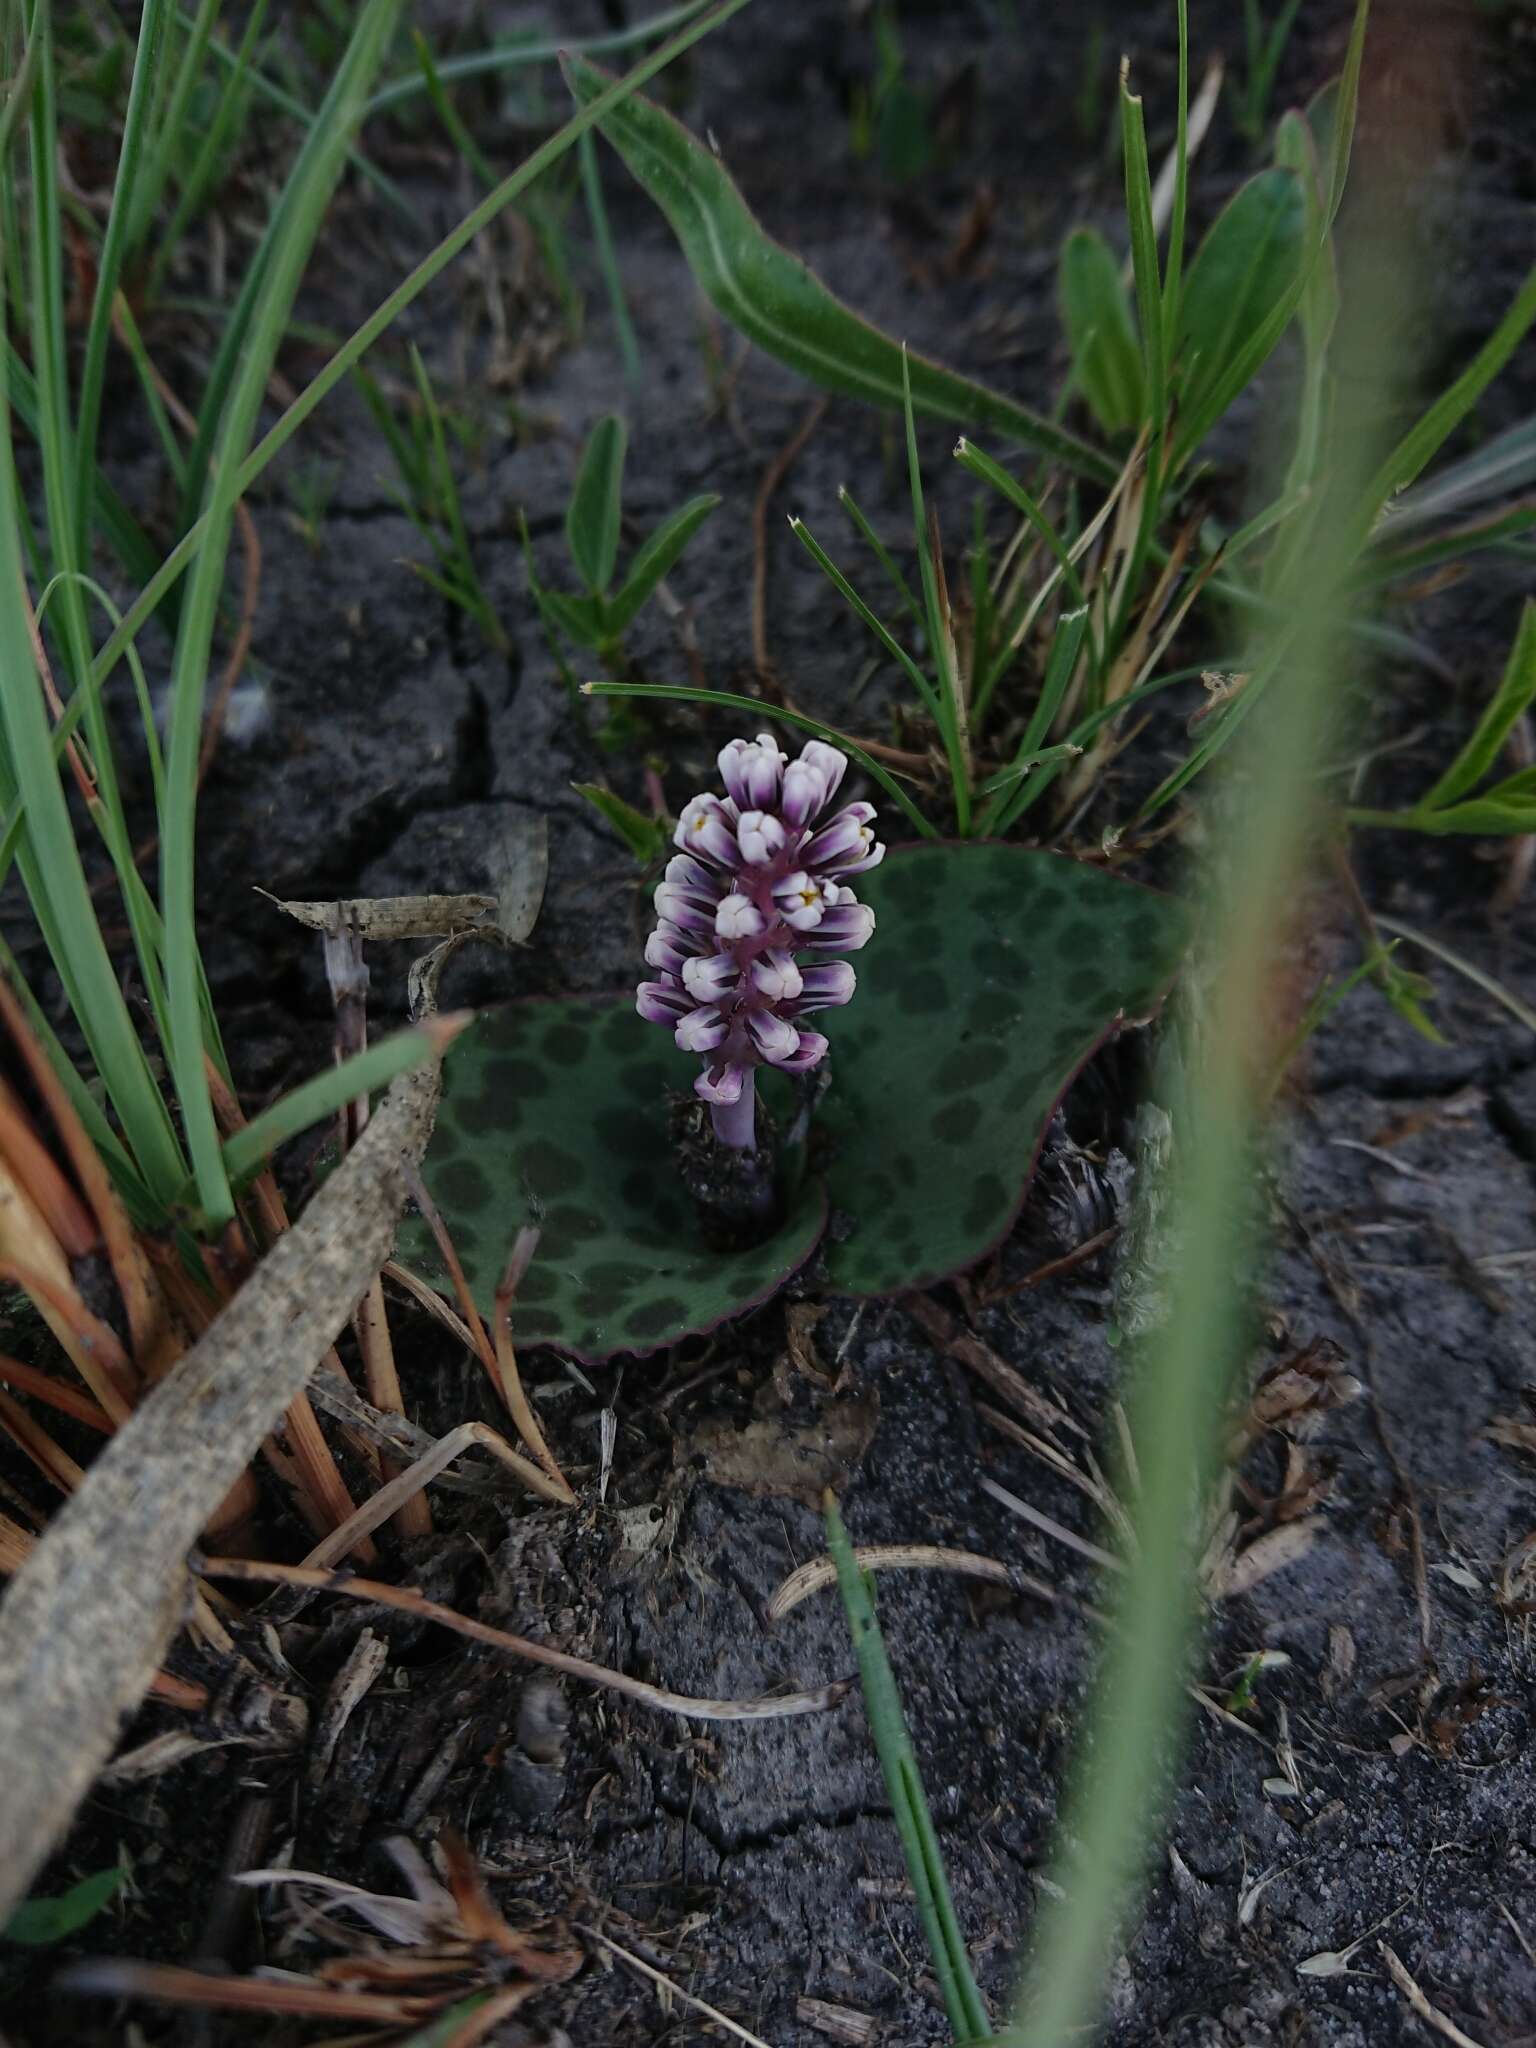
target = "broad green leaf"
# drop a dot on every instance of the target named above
(1106, 354)
(38, 1923)
(1243, 271)
(994, 974)
(1515, 694)
(592, 518)
(557, 1113)
(776, 301)
(655, 556)
(646, 838)
(580, 619)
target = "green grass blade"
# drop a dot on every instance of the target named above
(1514, 696)
(1424, 440)
(980, 464)
(212, 151)
(519, 56)
(110, 262)
(389, 310)
(1173, 273)
(963, 2006)
(882, 554)
(296, 223)
(607, 257)
(776, 301)
(1071, 629)
(682, 693)
(447, 114)
(55, 876)
(313, 1100)
(172, 127)
(1149, 290)
(941, 635)
(876, 625)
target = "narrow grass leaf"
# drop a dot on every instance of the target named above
(779, 304)
(395, 303)
(296, 223)
(963, 2006)
(875, 623)
(682, 693)
(324, 1094)
(1424, 440)
(1513, 697)
(1149, 290)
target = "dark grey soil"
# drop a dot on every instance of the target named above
(758, 1865)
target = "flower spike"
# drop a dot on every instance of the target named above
(761, 876)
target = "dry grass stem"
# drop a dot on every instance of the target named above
(673, 1989)
(397, 1491)
(821, 1573)
(405, 1600)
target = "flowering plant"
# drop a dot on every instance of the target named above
(757, 882)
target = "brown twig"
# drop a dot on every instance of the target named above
(518, 1404)
(405, 1600)
(396, 1492)
(42, 1386)
(773, 477)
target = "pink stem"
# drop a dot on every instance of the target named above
(736, 1122)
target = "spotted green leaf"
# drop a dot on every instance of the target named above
(556, 1113)
(776, 300)
(994, 973)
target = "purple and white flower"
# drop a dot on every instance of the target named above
(761, 878)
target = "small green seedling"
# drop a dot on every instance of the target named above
(646, 838)
(428, 494)
(891, 118)
(599, 619)
(39, 1923)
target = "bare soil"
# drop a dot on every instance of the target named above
(382, 748)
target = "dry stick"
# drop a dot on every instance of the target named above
(27, 1379)
(93, 1347)
(397, 1492)
(346, 975)
(1429, 2014)
(272, 1212)
(320, 1491)
(44, 1179)
(773, 476)
(1053, 1268)
(142, 1300)
(516, 1399)
(673, 1989)
(89, 1614)
(30, 1437)
(406, 1600)
(167, 1984)
(821, 1572)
